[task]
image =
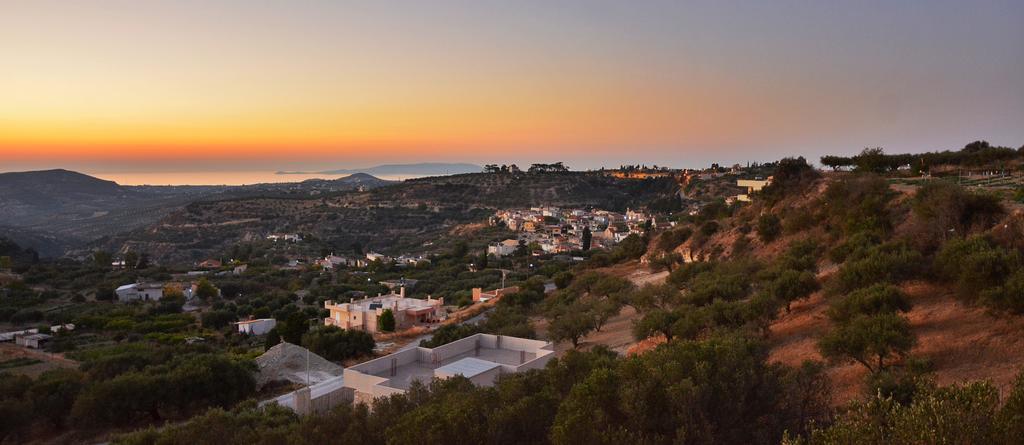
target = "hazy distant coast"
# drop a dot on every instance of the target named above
(421, 169)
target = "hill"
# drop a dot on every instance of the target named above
(951, 253)
(55, 211)
(395, 219)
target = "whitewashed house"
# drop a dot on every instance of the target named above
(140, 291)
(256, 327)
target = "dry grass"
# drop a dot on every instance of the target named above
(963, 343)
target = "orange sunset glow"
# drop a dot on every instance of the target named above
(337, 84)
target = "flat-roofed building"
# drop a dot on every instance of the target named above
(363, 314)
(481, 358)
(140, 291)
(256, 327)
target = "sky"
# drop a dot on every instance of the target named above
(129, 87)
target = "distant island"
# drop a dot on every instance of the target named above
(421, 169)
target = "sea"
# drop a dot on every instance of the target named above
(219, 177)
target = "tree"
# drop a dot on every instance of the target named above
(218, 319)
(54, 393)
(102, 258)
(836, 162)
(336, 344)
(386, 321)
(877, 299)
(571, 323)
(768, 227)
(869, 340)
(871, 160)
(131, 260)
(792, 285)
(656, 321)
(292, 328)
(585, 239)
(273, 338)
(563, 279)
(206, 290)
(15, 420)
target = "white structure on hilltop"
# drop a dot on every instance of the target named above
(256, 327)
(140, 291)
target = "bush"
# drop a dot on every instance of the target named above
(449, 333)
(768, 228)
(887, 263)
(792, 285)
(386, 321)
(336, 344)
(975, 264)
(218, 319)
(870, 340)
(877, 299)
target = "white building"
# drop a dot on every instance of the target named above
(481, 358)
(34, 341)
(372, 256)
(140, 291)
(504, 248)
(256, 327)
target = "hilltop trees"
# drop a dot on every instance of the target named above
(836, 162)
(548, 168)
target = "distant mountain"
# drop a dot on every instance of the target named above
(421, 169)
(54, 211)
(352, 181)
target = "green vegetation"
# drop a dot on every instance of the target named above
(18, 362)
(338, 344)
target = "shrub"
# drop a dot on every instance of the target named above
(975, 263)
(877, 299)
(870, 340)
(887, 263)
(792, 285)
(334, 343)
(768, 227)
(386, 321)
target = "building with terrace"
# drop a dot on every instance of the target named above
(481, 358)
(363, 314)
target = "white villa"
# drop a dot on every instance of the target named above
(140, 291)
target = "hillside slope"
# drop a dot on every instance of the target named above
(395, 219)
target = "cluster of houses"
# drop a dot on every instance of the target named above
(333, 261)
(558, 230)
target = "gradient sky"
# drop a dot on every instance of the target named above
(139, 86)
